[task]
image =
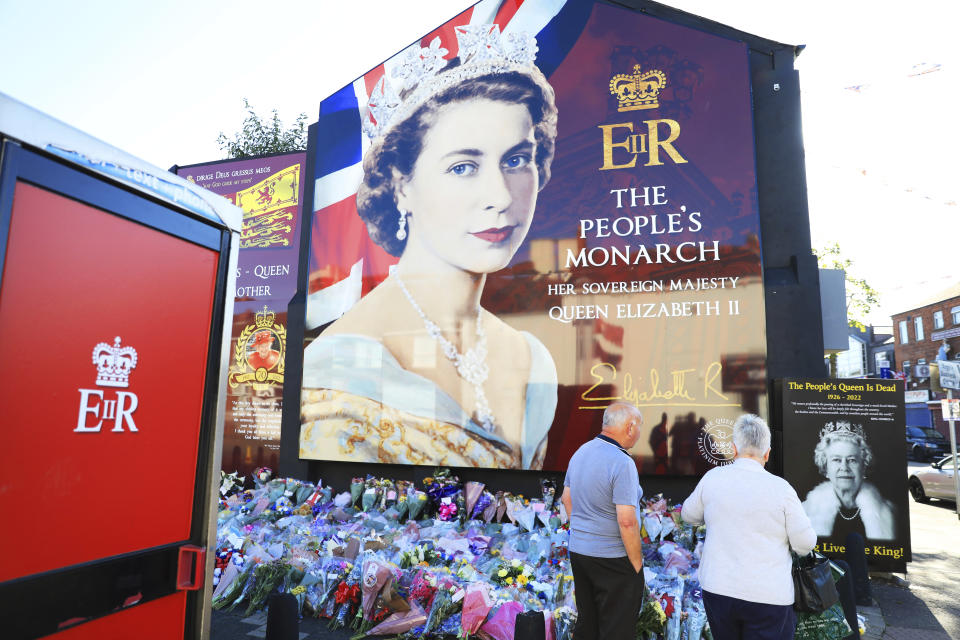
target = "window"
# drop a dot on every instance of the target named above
(852, 363)
(918, 327)
(882, 360)
(903, 332)
(955, 313)
(938, 319)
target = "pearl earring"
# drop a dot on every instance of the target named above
(402, 228)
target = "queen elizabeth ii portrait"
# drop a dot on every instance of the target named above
(418, 371)
(846, 502)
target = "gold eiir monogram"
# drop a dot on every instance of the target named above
(641, 90)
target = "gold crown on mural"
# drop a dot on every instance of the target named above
(841, 428)
(640, 90)
(114, 363)
(264, 319)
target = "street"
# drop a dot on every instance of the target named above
(929, 608)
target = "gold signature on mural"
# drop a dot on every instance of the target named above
(673, 391)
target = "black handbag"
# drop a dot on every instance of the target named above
(814, 590)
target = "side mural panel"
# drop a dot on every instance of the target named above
(847, 461)
(534, 211)
(270, 191)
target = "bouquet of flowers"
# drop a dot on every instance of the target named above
(356, 490)
(444, 605)
(261, 475)
(266, 577)
(549, 490)
(230, 483)
(420, 554)
(371, 493)
(500, 625)
(423, 590)
(477, 604)
(512, 573)
(400, 622)
(346, 596)
(652, 619)
(563, 621)
(418, 502)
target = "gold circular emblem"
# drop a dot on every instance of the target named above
(261, 374)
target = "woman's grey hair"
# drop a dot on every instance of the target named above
(618, 413)
(751, 435)
(828, 438)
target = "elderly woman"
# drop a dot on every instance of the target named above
(845, 502)
(417, 371)
(753, 519)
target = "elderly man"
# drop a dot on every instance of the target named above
(602, 495)
(753, 518)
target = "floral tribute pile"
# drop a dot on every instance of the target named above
(447, 559)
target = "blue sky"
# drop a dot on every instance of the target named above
(161, 80)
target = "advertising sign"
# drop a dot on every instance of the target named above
(847, 463)
(950, 407)
(529, 214)
(269, 190)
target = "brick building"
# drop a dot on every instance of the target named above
(919, 334)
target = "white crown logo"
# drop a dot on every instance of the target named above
(114, 363)
(482, 50)
(842, 429)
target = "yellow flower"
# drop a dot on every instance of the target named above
(509, 580)
(502, 573)
(298, 590)
(521, 579)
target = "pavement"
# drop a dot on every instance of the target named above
(923, 604)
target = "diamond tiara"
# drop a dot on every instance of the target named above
(841, 428)
(482, 50)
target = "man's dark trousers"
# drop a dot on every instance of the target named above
(609, 595)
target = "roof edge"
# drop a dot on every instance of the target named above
(684, 18)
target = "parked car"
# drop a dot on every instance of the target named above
(926, 443)
(935, 481)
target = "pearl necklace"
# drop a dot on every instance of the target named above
(856, 513)
(472, 365)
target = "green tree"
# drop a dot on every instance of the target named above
(861, 297)
(263, 136)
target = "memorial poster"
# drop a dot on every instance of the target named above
(270, 191)
(535, 210)
(844, 454)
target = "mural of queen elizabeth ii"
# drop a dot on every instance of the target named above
(418, 371)
(846, 502)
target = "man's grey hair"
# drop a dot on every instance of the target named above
(618, 413)
(751, 435)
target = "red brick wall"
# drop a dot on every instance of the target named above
(926, 348)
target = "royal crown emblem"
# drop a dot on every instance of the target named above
(842, 429)
(641, 90)
(264, 319)
(114, 363)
